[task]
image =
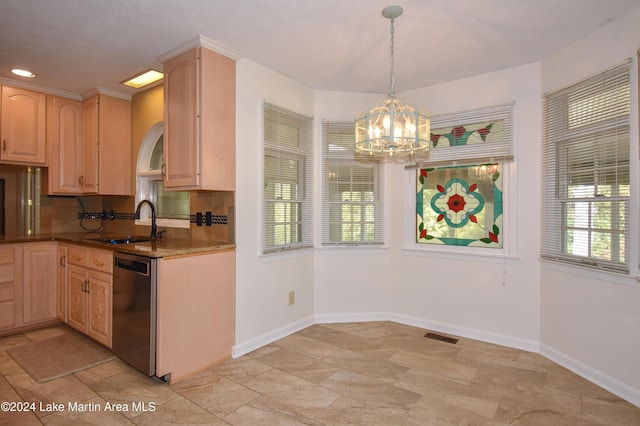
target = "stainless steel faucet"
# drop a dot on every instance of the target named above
(154, 229)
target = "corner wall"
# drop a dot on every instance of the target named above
(589, 322)
(495, 300)
(264, 282)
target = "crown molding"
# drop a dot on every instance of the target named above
(63, 93)
(41, 89)
(204, 42)
(109, 92)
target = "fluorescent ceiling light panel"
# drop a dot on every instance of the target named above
(143, 79)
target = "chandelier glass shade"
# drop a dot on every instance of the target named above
(392, 127)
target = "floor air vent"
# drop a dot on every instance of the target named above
(442, 338)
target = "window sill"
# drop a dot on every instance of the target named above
(609, 276)
(352, 249)
(472, 256)
(287, 253)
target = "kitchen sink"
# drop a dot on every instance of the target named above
(122, 240)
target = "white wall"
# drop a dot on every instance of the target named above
(263, 282)
(496, 301)
(589, 323)
(350, 284)
(491, 299)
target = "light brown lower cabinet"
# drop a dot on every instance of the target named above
(89, 279)
(39, 288)
(195, 313)
(27, 285)
(10, 277)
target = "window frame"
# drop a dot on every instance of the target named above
(554, 171)
(303, 155)
(465, 155)
(144, 177)
(348, 159)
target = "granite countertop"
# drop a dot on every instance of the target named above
(167, 247)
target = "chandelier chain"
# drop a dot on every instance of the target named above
(392, 127)
(392, 83)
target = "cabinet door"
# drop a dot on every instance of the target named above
(39, 286)
(8, 292)
(77, 283)
(61, 284)
(100, 299)
(89, 177)
(114, 146)
(217, 121)
(23, 131)
(64, 124)
(181, 121)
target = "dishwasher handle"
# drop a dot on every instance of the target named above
(137, 266)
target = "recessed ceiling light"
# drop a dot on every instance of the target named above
(143, 79)
(23, 73)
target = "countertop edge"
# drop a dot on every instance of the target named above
(165, 248)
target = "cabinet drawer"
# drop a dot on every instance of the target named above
(7, 314)
(98, 260)
(6, 292)
(7, 273)
(7, 255)
(78, 256)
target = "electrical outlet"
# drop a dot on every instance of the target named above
(292, 297)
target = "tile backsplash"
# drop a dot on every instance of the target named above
(60, 214)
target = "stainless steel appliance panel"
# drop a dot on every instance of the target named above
(134, 311)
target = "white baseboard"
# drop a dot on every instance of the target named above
(270, 337)
(469, 333)
(614, 386)
(359, 317)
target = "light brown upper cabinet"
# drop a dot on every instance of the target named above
(199, 121)
(107, 145)
(90, 146)
(23, 127)
(64, 130)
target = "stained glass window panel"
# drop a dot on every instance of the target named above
(460, 206)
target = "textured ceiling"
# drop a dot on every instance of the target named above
(78, 45)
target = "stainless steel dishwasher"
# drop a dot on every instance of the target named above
(134, 311)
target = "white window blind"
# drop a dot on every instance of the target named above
(486, 135)
(288, 179)
(352, 207)
(585, 172)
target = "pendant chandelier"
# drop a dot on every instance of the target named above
(392, 127)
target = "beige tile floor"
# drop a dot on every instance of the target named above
(378, 373)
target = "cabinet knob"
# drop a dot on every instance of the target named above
(62, 260)
(98, 262)
(81, 180)
(4, 145)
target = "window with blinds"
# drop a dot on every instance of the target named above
(459, 185)
(586, 172)
(288, 179)
(483, 135)
(352, 208)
